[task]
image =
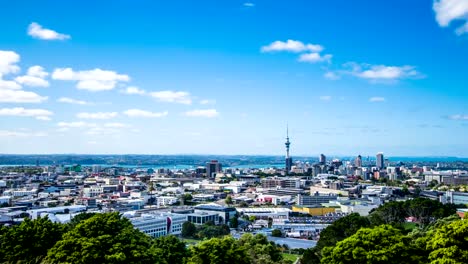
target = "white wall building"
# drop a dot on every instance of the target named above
(5, 199)
(265, 213)
(92, 191)
(157, 225)
(166, 200)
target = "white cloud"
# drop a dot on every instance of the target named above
(68, 100)
(202, 113)
(8, 60)
(248, 4)
(34, 77)
(32, 81)
(381, 72)
(376, 99)
(20, 96)
(331, 76)
(462, 30)
(172, 97)
(43, 118)
(134, 90)
(91, 80)
(40, 114)
(314, 57)
(291, 46)
(116, 125)
(207, 102)
(79, 124)
(450, 10)
(103, 131)
(325, 97)
(97, 115)
(459, 117)
(143, 113)
(9, 133)
(37, 71)
(37, 31)
(10, 85)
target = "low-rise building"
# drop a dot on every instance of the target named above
(265, 212)
(225, 213)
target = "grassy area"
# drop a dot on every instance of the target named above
(409, 226)
(190, 241)
(291, 257)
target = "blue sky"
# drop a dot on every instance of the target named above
(225, 77)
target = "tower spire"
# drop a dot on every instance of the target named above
(288, 158)
(287, 144)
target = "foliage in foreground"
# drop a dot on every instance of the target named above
(111, 238)
(382, 237)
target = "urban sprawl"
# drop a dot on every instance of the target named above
(290, 204)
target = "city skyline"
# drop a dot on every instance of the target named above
(226, 77)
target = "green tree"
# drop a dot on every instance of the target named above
(260, 250)
(228, 199)
(234, 222)
(218, 251)
(382, 244)
(170, 249)
(187, 198)
(188, 229)
(78, 219)
(389, 213)
(341, 229)
(243, 204)
(449, 244)
(426, 210)
(29, 241)
(276, 233)
(311, 256)
(209, 231)
(103, 238)
(332, 234)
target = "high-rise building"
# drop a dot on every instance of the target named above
(322, 159)
(379, 163)
(212, 168)
(358, 161)
(288, 158)
(96, 168)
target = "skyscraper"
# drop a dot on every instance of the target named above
(379, 163)
(322, 159)
(212, 168)
(358, 161)
(288, 158)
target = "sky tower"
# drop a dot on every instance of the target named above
(288, 158)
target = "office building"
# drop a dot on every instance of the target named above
(315, 199)
(273, 182)
(358, 161)
(379, 163)
(212, 168)
(225, 213)
(158, 225)
(322, 159)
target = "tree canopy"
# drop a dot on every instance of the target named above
(382, 244)
(103, 238)
(29, 241)
(449, 244)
